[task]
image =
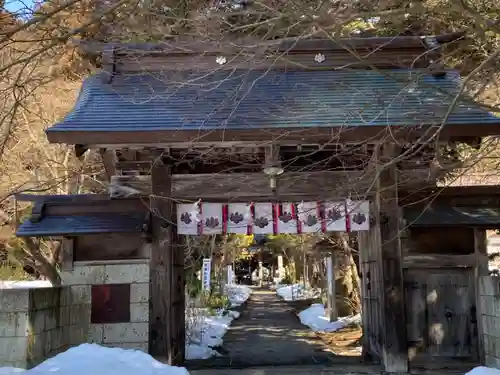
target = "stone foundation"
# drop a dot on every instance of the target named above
(37, 323)
(132, 334)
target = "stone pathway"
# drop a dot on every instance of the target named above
(268, 333)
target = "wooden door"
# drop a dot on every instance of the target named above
(371, 282)
(441, 313)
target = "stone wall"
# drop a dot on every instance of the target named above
(489, 310)
(37, 323)
(132, 334)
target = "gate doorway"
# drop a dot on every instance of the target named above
(287, 318)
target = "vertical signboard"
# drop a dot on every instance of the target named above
(205, 273)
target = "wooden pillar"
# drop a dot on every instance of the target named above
(394, 343)
(165, 339)
(481, 269)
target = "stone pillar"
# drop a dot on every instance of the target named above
(281, 269)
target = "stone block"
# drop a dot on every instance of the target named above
(126, 273)
(80, 315)
(81, 294)
(491, 361)
(14, 300)
(13, 349)
(37, 321)
(83, 275)
(75, 335)
(8, 323)
(64, 315)
(96, 333)
(37, 348)
(44, 298)
(66, 296)
(139, 312)
(51, 318)
(56, 339)
(125, 332)
(139, 292)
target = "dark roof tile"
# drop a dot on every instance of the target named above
(53, 226)
(272, 99)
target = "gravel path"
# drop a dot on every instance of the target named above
(268, 333)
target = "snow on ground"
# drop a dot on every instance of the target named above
(24, 285)
(92, 359)
(483, 371)
(237, 294)
(315, 318)
(296, 292)
(206, 331)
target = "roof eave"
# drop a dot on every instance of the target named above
(283, 45)
(294, 135)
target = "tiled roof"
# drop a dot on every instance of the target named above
(239, 99)
(80, 225)
(453, 216)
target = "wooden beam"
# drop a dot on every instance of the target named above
(227, 186)
(130, 186)
(161, 265)
(296, 135)
(395, 352)
(255, 44)
(481, 269)
(167, 316)
(439, 260)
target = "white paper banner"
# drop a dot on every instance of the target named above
(206, 269)
(286, 223)
(211, 215)
(308, 216)
(359, 215)
(263, 219)
(335, 216)
(237, 218)
(186, 219)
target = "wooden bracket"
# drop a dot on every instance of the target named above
(146, 230)
(109, 63)
(37, 212)
(67, 254)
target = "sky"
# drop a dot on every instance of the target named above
(23, 7)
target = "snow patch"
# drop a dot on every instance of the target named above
(315, 318)
(296, 292)
(483, 371)
(237, 294)
(93, 359)
(206, 333)
(24, 285)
